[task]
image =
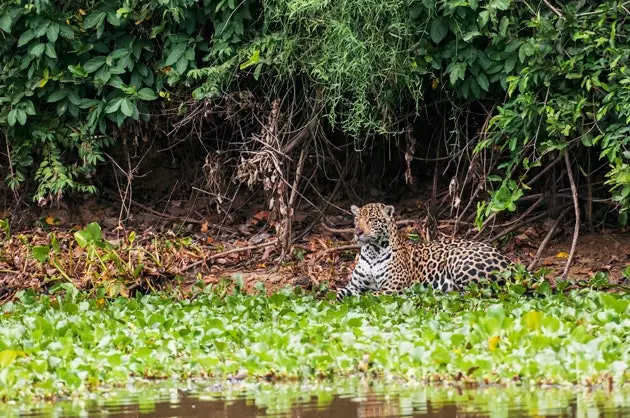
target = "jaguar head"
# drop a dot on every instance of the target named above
(372, 222)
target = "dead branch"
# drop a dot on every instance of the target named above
(240, 249)
(544, 171)
(543, 244)
(520, 224)
(556, 11)
(285, 239)
(576, 206)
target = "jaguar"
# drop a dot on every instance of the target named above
(388, 261)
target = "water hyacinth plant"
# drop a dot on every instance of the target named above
(66, 343)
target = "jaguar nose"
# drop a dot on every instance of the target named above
(358, 231)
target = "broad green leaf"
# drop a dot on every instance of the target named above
(500, 4)
(126, 107)
(510, 62)
(113, 105)
(57, 95)
(37, 50)
(82, 238)
(146, 94)
(119, 53)
(94, 19)
(94, 63)
(94, 230)
(12, 117)
(533, 320)
(77, 71)
(40, 253)
(175, 54)
(181, 65)
(25, 38)
(5, 22)
(53, 32)
(66, 32)
(7, 357)
(482, 81)
(438, 30)
(50, 51)
(21, 116)
(457, 72)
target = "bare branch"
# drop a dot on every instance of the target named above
(576, 230)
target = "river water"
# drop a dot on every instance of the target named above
(360, 400)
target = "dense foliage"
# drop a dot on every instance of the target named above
(74, 72)
(66, 343)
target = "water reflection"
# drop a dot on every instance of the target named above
(349, 400)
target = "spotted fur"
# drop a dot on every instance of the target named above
(389, 262)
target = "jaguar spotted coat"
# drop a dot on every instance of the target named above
(389, 262)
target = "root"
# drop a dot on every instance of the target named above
(576, 207)
(544, 243)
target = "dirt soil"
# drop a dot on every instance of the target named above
(325, 255)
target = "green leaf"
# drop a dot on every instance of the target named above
(7, 357)
(12, 117)
(510, 62)
(29, 108)
(5, 22)
(53, 32)
(500, 4)
(126, 107)
(94, 19)
(82, 238)
(175, 54)
(457, 72)
(66, 32)
(58, 95)
(25, 38)
(77, 71)
(533, 320)
(94, 64)
(94, 230)
(40, 253)
(482, 80)
(181, 65)
(113, 105)
(113, 19)
(251, 61)
(21, 116)
(119, 53)
(438, 30)
(50, 51)
(37, 50)
(146, 94)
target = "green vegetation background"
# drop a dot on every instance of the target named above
(74, 74)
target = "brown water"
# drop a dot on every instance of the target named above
(346, 401)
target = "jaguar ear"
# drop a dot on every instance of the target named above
(354, 209)
(389, 210)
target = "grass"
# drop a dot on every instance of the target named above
(69, 343)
